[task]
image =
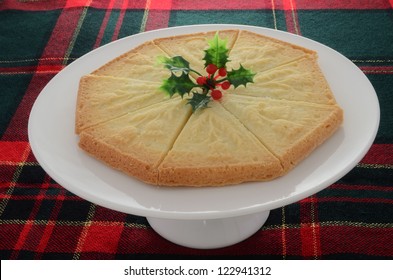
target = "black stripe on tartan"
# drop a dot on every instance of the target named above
(358, 192)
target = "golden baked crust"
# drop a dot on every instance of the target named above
(113, 157)
(214, 148)
(254, 133)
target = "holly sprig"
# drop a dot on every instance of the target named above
(206, 87)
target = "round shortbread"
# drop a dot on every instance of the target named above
(253, 133)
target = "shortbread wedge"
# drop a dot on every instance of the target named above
(215, 149)
(191, 46)
(137, 142)
(300, 80)
(260, 53)
(139, 63)
(291, 130)
(103, 98)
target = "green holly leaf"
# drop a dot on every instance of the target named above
(217, 53)
(240, 76)
(175, 64)
(198, 101)
(178, 84)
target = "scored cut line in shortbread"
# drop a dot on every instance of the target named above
(289, 129)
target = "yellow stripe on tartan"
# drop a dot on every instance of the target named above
(316, 241)
(86, 226)
(378, 71)
(35, 59)
(372, 60)
(15, 178)
(274, 14)
(294, 18)
(12, 163)
(72, 223)
(76, 33)
(145, 16)
(356, 224)
(332, 223)
(374, 166)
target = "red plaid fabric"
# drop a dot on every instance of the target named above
(39, 219)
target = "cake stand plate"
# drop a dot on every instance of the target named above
(200, 217)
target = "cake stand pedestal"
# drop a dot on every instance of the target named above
(211, 233)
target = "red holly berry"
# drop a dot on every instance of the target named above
(225, 85)
(216, 94)
(222, 72)
(201, 80)
(211, 69)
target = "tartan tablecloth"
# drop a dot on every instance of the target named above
(39, 219)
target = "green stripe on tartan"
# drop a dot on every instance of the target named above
(11, 96)
(264, 18)
(368, 176)
(83, 40)
(91, 24)
(24, 35)
(354, 33)
(362, 194)
(110, 27)
(131, 23)
(383, 87)
(336, 210)
(86, 33)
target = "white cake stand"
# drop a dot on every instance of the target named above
(200, 217)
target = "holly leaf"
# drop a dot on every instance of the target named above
(217, 53)
(178, 84)
(198, 101)
(240, 76)
(175, 64)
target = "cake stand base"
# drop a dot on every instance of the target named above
(209, 234)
